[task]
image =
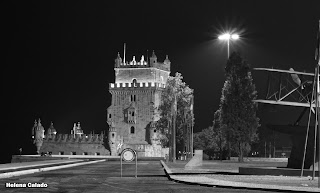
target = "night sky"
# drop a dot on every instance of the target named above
(59, 56)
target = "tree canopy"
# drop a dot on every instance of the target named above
(238, 111)
(212, 140)
(206, 140)
(184, 96)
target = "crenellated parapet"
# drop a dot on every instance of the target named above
(70, 138)
(137, 85)
(142, 63)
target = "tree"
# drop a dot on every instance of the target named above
(184, 94)
(206, 140)
(238, 111)
(212, 139)
(218, 129)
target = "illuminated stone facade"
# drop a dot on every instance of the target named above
(135, 95)
(76, 143)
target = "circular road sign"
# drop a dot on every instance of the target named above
(128, 155)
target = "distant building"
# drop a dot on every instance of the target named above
(76, 143)
(136, 94)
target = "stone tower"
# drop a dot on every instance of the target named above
(38, 134)
(135, 95)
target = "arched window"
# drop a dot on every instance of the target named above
(134, 81)
(132, 130)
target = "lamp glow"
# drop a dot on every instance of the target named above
(228, 37)
(235, 36)
(224, 36)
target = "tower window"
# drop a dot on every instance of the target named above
(131, 116)
(132, 130)
(112, 134)
(133, 98)
(109, 116)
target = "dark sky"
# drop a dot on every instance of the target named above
(59, 56)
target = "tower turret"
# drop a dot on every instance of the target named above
(166, 63)
(39, 135)
(76, 130)
(153, 59)
(112, 139)
(51, 131)
(34, 129)
(117, 61)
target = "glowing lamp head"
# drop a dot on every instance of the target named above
(224, 37)
(228, 36)
(235, 36)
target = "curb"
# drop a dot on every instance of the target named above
(204, 181)
(25, 167)
(31, 171)
(166, 168)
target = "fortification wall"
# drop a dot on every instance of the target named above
(68, 144)
(143, 64)
(58, 148)
(70, 138)
(141, 75)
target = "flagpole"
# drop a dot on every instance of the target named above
(124, 53)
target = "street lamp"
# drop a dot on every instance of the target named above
(228, 37)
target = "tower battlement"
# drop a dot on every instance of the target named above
(142, 63)
(70, 138)
(137, 85)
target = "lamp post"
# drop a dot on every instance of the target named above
(228, 37)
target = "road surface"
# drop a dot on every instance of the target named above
(105, 177)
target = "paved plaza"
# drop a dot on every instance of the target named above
(105, 177)
(226, 174)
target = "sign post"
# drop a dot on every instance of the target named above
(128, 155)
